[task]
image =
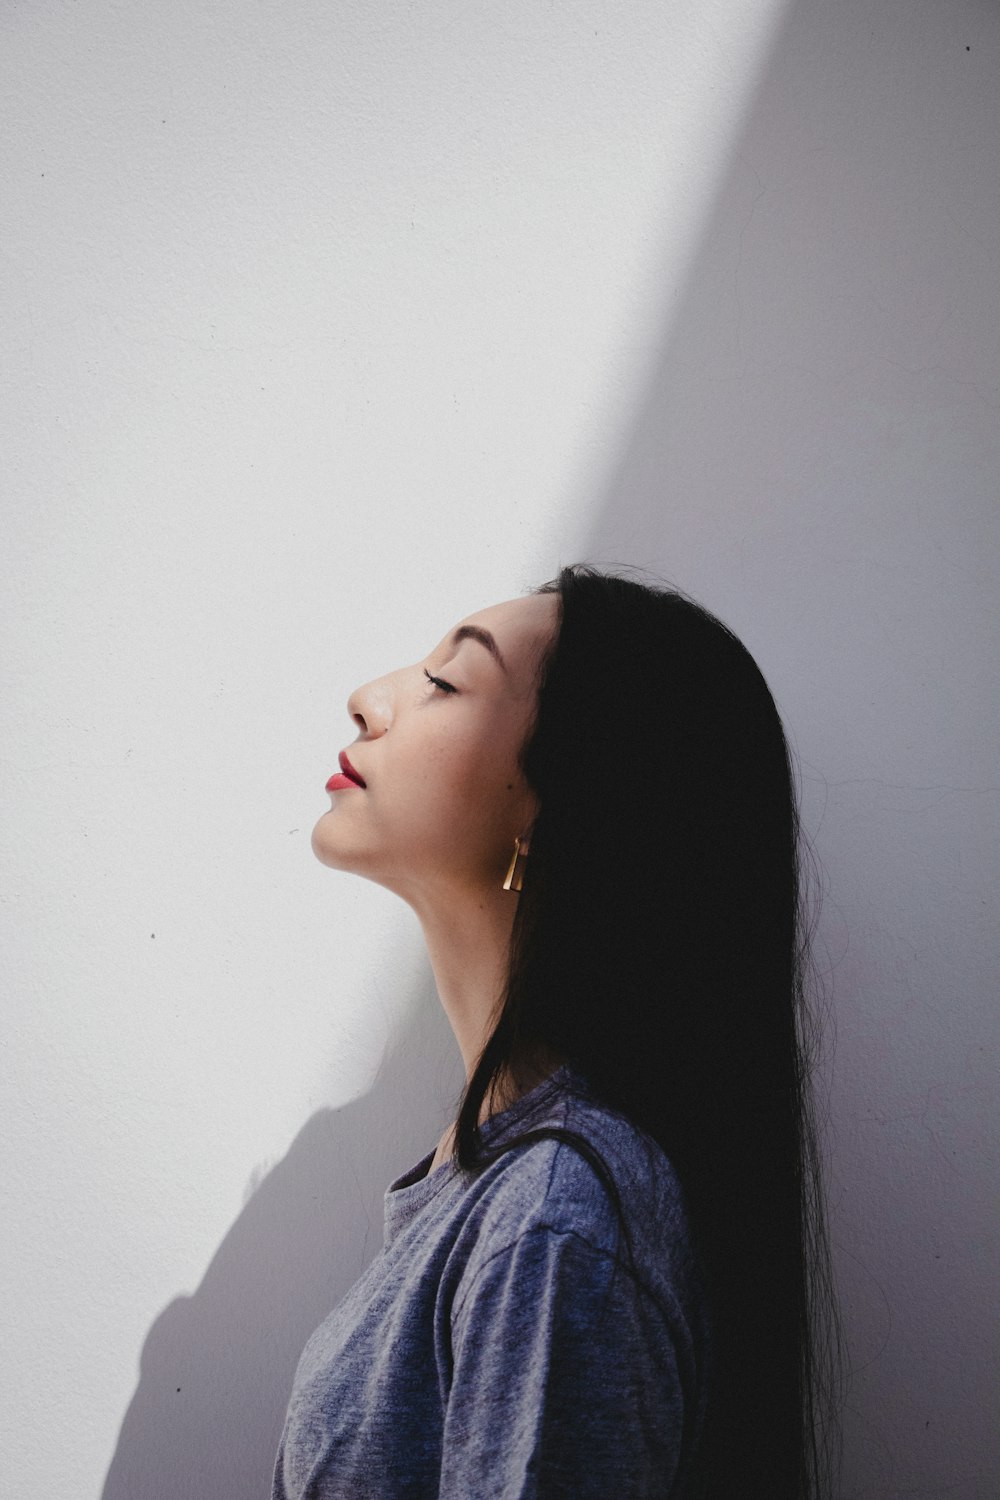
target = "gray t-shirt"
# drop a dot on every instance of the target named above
(488, 1353)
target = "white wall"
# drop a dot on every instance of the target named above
(325, 326)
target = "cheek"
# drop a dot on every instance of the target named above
(461, 778)
(433, 786)
(466, 784)
(489, 782)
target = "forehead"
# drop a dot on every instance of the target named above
(521, 627)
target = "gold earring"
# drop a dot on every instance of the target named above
(515, 874)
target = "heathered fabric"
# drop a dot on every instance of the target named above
(489, 1353)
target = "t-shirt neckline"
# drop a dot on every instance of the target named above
(419, 1179)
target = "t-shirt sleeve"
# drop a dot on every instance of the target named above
(563, 1384)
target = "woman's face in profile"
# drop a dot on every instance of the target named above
(443, 798)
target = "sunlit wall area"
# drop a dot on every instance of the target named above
(326, 326)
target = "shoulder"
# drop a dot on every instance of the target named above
(566, 1184)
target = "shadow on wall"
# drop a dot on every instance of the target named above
(815, 459)
(217, 1367)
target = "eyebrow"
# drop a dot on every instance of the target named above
(477, 633)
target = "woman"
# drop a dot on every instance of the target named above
(606, 1280)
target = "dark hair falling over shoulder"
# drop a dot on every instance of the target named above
(659, 945)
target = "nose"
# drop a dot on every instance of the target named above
(370, 706)
(356, 710)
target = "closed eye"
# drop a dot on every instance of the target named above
(438, 682)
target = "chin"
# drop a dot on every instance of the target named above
(324, 843)
(331, 847)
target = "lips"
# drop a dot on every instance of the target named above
(340, 783)
(348, 769)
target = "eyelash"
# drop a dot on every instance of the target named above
(445, 687)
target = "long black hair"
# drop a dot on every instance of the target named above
(660, 945)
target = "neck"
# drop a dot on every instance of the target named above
(467, 944)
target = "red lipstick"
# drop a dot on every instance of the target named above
(348, 776)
